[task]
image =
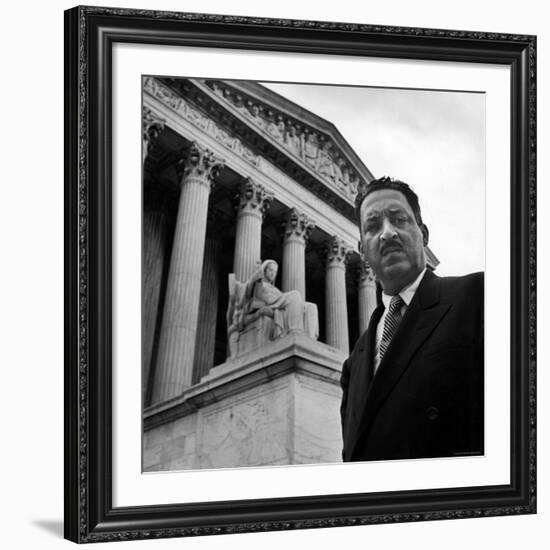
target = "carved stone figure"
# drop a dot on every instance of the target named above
(259, 312)
(217, 89)
(311, 149)
(293, 141)
(342, 174)
(338, 175)
(354, 183)
(325, 165)
(239, 101)
(254, 112)
(277, 128)
(264, 298)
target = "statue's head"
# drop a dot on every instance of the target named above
(270, 269)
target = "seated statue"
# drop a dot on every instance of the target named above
(258, 305)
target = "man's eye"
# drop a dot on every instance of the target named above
(370, 227)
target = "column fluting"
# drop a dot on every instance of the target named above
(154, 234)
(181, 307)
(206, 330)
(366, 293)
(297, 227)
(336, 314)
(252, 202)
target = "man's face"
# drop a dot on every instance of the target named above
(392, 241)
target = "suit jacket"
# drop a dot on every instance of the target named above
(426, 398)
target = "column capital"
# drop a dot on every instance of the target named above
(197, 162)
(153, 125)
(364, 272)
(252, 198)
(337, 252)
(296, 226)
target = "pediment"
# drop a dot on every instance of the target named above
(311, 140)
(258, 122)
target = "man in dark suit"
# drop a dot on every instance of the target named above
(413, 385)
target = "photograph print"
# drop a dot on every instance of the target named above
(312, 273)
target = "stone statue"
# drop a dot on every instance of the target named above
(253, 111)
(325, 164)
(259, 312)
(311, 149)
(277, 128)
(293, 141)
(264, 298)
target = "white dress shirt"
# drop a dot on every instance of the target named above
(407, 295)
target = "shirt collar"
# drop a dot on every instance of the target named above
(406, 293)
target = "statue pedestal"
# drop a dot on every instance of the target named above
(278, 404)
(254, 336)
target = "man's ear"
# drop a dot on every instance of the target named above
(425, 234)
(360, 247)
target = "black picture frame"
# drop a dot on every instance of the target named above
(90, 33)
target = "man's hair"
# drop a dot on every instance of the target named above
(388, 183)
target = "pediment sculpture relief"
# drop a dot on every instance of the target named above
(317, 150)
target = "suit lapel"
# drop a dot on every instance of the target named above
(361, 376)
(422, 316)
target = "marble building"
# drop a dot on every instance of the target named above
(241, 357)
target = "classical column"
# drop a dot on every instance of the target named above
(154, 236)
(336, 313)
(366, 287)
(181, 305)
(296, 232)
(152, 127)
(208, 312)
(252, 202)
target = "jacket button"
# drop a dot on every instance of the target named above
(432, 413)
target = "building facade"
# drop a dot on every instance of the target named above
(234, 175)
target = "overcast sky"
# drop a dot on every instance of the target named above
(433, 140)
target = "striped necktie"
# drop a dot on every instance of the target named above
(393, 318)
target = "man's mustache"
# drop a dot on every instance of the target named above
(391, 247)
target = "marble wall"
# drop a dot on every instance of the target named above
(290, 418)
